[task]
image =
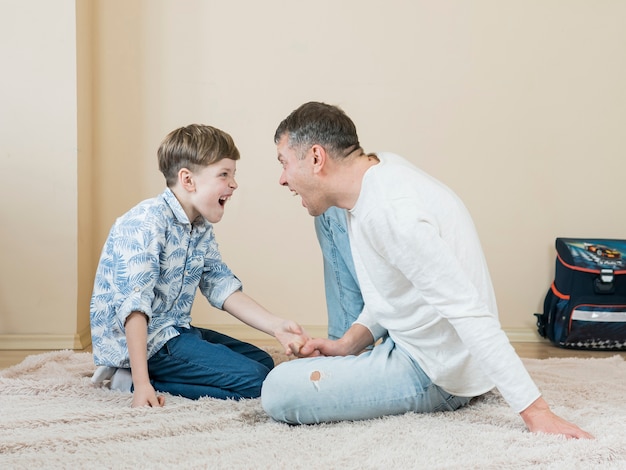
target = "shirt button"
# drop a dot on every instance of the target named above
(186, 273)
(136, 289)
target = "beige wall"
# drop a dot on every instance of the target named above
(518, 106)
(38, 175)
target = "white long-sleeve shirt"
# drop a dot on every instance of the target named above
(425, 281)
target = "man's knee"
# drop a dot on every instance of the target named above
(272, 398)
(279, 397)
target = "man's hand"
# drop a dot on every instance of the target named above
(292, 336)
(322, 347)
(354, 341)
(145, 395)
(539, 418)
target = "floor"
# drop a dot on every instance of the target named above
(538, 350)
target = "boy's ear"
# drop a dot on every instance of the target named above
(185, 178)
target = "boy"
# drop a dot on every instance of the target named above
(154, 259)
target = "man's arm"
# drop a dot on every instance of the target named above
(137, 338)
(425, 259)
(355, 340)
(539, 418)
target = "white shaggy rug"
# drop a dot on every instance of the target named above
(52, 417)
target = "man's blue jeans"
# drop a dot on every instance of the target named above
(382, 381)
(343, 293)
(204, 363)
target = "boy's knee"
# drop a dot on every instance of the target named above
(250, 384)
(267, 361)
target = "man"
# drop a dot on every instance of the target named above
(424, 281)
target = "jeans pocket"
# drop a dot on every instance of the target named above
(165, 350)
(451, 402)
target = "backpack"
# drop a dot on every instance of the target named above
(585, 307)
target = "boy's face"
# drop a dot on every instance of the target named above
(214, 185)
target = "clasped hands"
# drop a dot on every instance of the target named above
(298, 343)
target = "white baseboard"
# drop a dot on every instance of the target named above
(523, 335)
(43, 341)
(243, 332)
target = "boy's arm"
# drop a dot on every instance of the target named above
(137, 338)
(291, 335)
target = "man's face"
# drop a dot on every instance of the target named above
(299, 176)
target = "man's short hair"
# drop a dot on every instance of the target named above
(322, 124)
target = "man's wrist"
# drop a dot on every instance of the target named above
(538, 407)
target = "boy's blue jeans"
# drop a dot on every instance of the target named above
(382, 381)
(204, 363)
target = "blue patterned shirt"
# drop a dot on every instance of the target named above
(153, 262)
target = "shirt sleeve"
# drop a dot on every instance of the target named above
(369, 322)
(217, 282)
(133, 249)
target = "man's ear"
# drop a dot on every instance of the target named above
(319, 158)
(185, 178)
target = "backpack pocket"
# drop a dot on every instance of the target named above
(585, 325)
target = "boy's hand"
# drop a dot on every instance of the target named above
(137, 338)
(292, 336)
(145, 395)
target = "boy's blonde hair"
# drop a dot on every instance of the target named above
(191, 147)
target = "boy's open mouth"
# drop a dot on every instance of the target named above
(223, 200)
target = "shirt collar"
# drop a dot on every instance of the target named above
(178, 211)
